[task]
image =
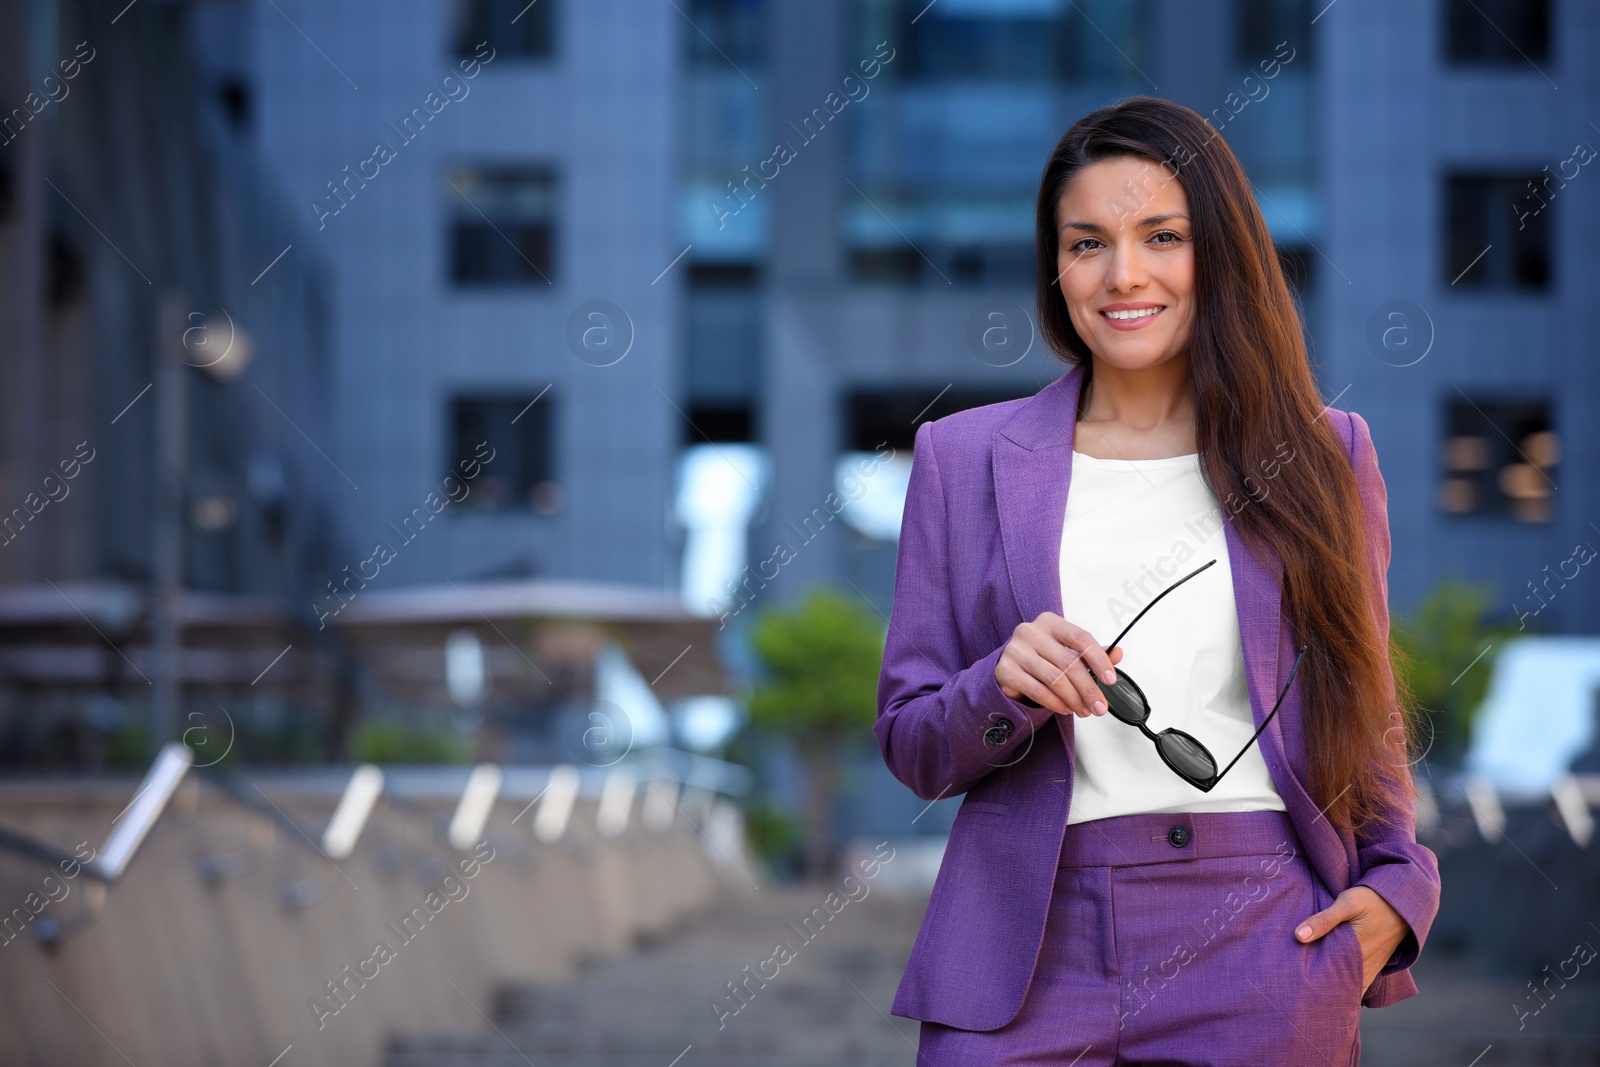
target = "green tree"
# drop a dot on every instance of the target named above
(820, 662)
(1449, 648)
(376, 741)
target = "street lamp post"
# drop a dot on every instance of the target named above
(166, 634)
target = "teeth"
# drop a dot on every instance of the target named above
(1143, 313)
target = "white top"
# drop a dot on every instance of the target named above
(1132, 528)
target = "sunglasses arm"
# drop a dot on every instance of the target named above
(1268, 719)
(1152, 603)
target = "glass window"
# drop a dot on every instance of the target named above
(720, 422)
(1082, 41)
(976, 264)
(520, 29)
(724, 31)
(722, 352)
(877, 417)
(1497, 230)
(968, 99)
(1496, 32)
(1498, 457)
(502, 225)
(1262, 25)
(511, 439)
(724, 205)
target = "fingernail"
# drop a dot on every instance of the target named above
(1110, 676)
(1304, 933)
(1099, 707)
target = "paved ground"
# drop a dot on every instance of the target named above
(1462, 1016)
(828, 1004)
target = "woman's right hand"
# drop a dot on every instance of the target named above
(1049, 661)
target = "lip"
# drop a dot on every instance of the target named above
(1133, 324)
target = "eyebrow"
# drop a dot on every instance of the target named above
(1153, 220)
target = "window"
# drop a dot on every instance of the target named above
(722, 352)
(726, 32)
(995, 264)
(720, 423)
(511, 436)
(519, 29)
(968, 96)
(65, 272)
(1499, 458)
(875, 417)
(901, 263)
(235, 99)
(1497, 231)
(502, 225)
(1496, 32)
(1262, 25)
(1039, 41)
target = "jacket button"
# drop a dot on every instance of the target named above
(999, 733)
(1178, 836)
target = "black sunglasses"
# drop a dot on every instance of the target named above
(1188, 758)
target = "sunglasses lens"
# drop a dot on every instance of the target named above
(1186, 754)
(1124, 700)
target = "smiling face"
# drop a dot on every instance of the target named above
(1126, 262)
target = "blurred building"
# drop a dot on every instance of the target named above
(898, 247)
(1453, 141)
(602, 235)
(803, 222)
(1407, 161)
(864, 225)
(490, 182)
(137, 231)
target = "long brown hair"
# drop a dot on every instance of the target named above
(1255, 402)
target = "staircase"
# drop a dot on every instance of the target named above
(1464, 1016)
(827, 1005)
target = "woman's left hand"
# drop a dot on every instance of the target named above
(1379, 929)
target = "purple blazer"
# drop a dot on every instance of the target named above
(979, 554)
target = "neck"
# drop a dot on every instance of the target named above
(1143, 399)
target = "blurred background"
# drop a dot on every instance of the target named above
(451, 461)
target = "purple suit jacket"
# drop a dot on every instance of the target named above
(979, 554)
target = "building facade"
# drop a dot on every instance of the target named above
(490, 183)
(624, 230)
(163, 393)
(1453, 141)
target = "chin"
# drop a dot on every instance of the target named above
(1132, 361)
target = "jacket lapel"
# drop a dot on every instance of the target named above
(1032, 471)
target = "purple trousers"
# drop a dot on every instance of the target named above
(1171, 941)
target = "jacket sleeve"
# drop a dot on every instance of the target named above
(943, 724)
(1392, 863)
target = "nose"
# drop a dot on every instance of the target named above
(1126, 271)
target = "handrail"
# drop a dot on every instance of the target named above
(21, 844)
(160, 782)
(234, 786)
(691, 772)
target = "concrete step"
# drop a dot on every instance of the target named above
(1465, 1014)
(827, 1003)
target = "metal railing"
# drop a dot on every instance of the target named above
(673, 784)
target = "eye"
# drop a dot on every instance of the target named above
(1077, 246)
(1176, 238)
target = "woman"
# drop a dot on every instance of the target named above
(1194, 843)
